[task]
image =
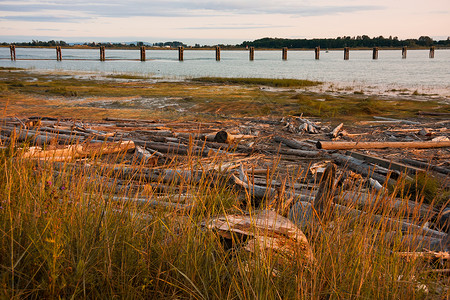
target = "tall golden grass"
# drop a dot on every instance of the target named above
(66, 232)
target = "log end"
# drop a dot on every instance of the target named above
(319, 145)
(222, 137)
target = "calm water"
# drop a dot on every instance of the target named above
(417, 71)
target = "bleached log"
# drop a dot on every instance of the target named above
(425, 255)
(142, 156)
(397, 120)
(265, 230)
(336, 130)
(301, 153)
(292, 143)
(382, 201)
(77, 151)
(173, 149)
(328, 145)
(415, 242)
(389, 164)
(155, 203)
(425, 165)
(302, 213)
(358, 166)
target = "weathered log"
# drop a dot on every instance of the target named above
(263, 230)
(259, 193)
(302, 214)
(426, 166)
(336, 130)
(142, 156)
(225, 137)
(155, 203)
(358, 166)
(77, 151)
(173, 149)
(61, 131)
(425, 255)
(156, 132)
(389, 164)
(415, 242)
(371, 201)
(301, 153)
(397, 120)
(292, 143)
(328, 145)
(41, 138)
(323, 200)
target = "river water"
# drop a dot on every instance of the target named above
(390, 71)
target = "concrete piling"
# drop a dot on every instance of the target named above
(217, 53)
(180, 53)
(346, 53)
(375, 53)
(317, 52)
(142, 53)
(284, 53)
(431, 52)
(252, 53)
(12, 50)
(404, 52)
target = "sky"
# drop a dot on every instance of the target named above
(219, 21)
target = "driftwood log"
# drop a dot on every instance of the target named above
(328, 145)
(388, 164)
(426, 166)
(263, 230)
(359, 167)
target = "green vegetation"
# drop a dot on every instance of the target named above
(52, 94)
(10, 69)
(345, 41)
(127, 76)
(259, 81)
(267, 42)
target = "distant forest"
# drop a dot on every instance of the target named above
(363, 41)
(346, 41)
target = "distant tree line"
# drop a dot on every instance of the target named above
(346, 41)
(39, 43)
(363, 41)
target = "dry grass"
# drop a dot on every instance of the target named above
(63, 235)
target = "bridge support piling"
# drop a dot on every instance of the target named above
(12, 50)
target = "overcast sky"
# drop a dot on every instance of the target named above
(219, 21)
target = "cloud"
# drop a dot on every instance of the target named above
(180, 8)
(238, 27)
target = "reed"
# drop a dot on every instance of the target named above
(65, 232)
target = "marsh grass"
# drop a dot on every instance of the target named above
(259, 81)
(60, 95)
(64, 235)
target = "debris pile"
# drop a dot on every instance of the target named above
(295, 167)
